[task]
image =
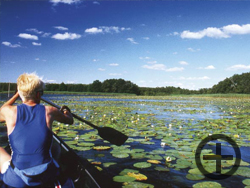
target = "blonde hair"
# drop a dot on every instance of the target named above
(28, 85)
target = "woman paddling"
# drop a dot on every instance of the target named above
(29, 128)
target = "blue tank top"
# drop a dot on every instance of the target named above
(31, 139)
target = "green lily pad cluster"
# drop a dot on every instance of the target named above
(165, 129)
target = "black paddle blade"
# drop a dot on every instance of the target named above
(112, 135)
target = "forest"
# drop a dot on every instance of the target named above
(235, 84)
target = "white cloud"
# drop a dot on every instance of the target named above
(11, 45)
(61, 28)
(144, 58)
(195, 78)
(146, 38)
(193, 50)
(239, 67)
(28, 36)
(125, 29)
(65, 1)
(66, 36)
(132, 40)
(106, 29)
(96, 3)
(101, 69)
(155, 67)
(175, 84)
(183, 63)
(49, 81)
(35, 30)
(46, 34)
(213, 32)
(152, 62)
(210, 67)
(174, 69)
(36, 44)
(236, 29)
(93, 30)
(71, 82)
(114, 64)
(173, 34)
(162, 67)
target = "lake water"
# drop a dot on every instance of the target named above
(179, 122)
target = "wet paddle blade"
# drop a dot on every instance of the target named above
(112, 135)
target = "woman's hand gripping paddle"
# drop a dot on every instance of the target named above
(106, 133)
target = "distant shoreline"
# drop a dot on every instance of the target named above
(216, 95)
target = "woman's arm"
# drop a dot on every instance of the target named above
(6, 107)
(63, 116)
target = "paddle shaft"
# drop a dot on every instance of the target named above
(106, 133)
(75, 116)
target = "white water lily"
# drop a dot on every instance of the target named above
(168, 159)
(163, 143)
(77, 137)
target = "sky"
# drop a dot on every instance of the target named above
(186, 44)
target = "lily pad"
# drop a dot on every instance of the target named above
(195, 176)
(123, 179)
(127, 170)
(154, 161)
(207, 184)
(86, 144)
(142, 165)
(109, 164)
(195, 171)
(243, 171)
(137, 185)
(101, 148)
(83, 148)
(246, 182)
(137, 155)
(162, 169)
(137, 176)
(120, 155)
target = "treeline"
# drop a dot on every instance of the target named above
(235, 84)
(107, 86)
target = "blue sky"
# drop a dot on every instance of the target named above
(187, 44)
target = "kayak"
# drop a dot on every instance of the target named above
(80, 170)
(76, 172)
